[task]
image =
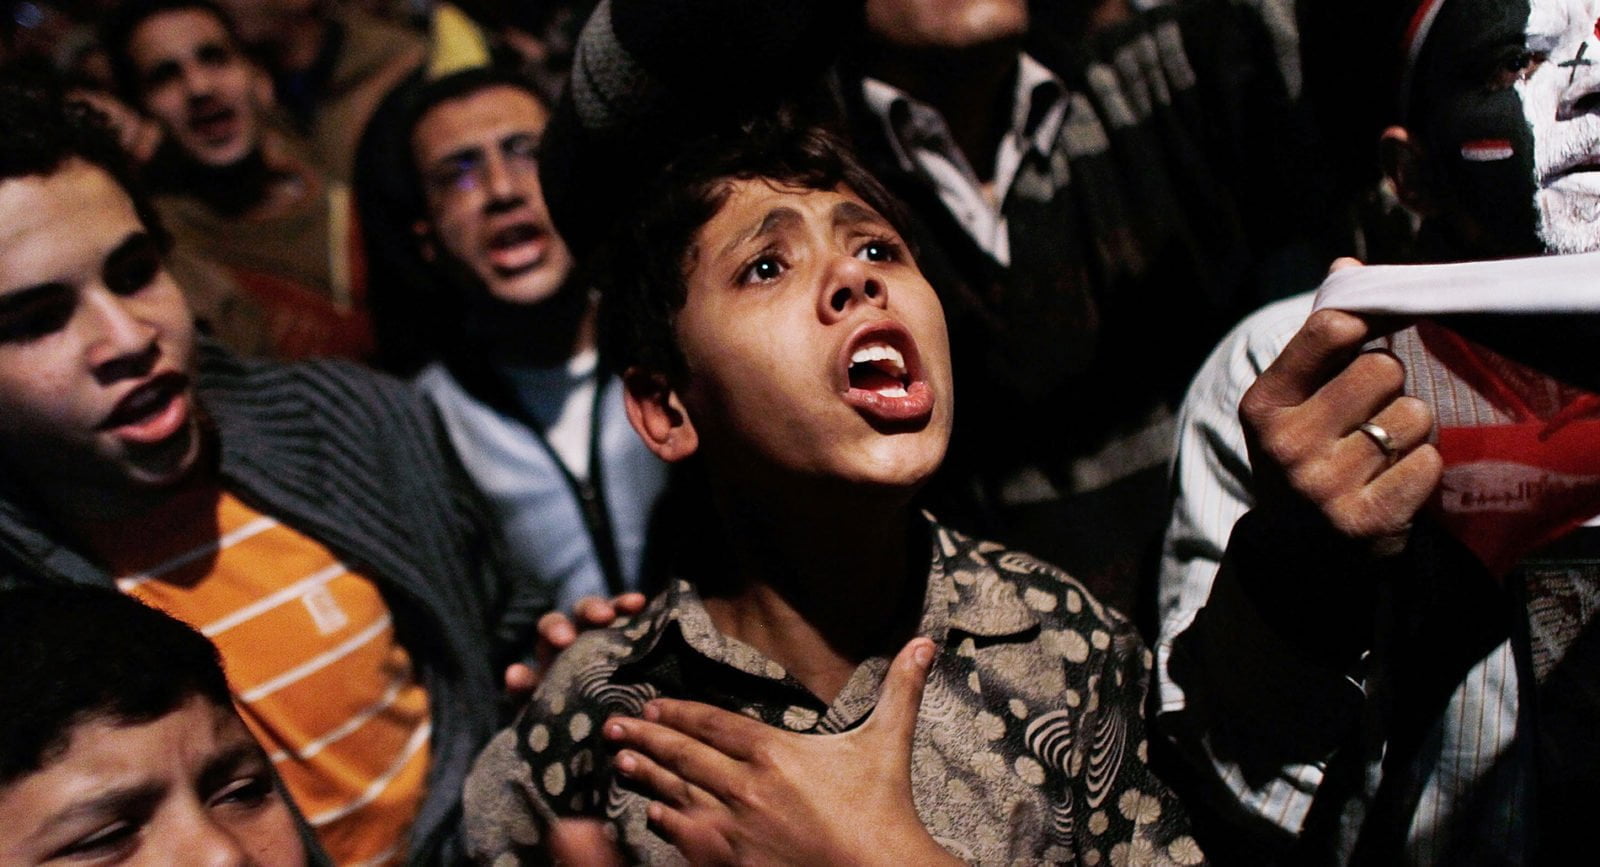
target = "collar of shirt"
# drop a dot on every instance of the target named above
(921, 143)
(965, 596)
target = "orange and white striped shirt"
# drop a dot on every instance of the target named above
(311, 655)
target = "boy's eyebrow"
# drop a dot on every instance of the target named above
(851, 213)
(778, 218)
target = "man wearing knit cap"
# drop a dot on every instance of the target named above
(1350, 682)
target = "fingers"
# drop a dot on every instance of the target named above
(698, 763)
(520, 679)
(731, 734)
(1385, 507)
(1406, 420)
(583, 841)
(901, 698)
(666, 785)
(629, 603)
(557, 631)
(1368, 383)
(1319, 350)
(1327, 461)
(1342, 263)
(592, 611)
(697, 840)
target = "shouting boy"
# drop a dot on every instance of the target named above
(772, 324)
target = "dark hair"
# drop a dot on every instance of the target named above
(72, 654)
(43, 128)
(117, 30)
(642, 270)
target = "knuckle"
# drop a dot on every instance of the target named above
(1282, 447)
(1332, 327)
(746, 792)
(1413, 413)
(1254, 407)
(1315, 480)
(1355, 516)
(763, 755)
(1380, 370)
(1430, 464)
(672, 753)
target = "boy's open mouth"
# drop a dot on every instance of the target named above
(214, 123)
(517, 249)
(152, 412)
(883, 376)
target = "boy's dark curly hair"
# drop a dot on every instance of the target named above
(77, 654)
(641, 271)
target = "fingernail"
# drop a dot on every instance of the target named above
(652, 811)
(651, 712)
(614, 731)
(626, 763)
(923, 654)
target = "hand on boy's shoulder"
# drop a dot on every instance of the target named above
(557, 631)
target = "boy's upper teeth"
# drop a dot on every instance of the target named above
(880, 352)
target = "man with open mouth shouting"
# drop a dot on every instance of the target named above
(303, 517)
(507, 321)
(1351, 685)
(235, 185)
(774, 327)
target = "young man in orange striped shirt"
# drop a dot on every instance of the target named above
(304, 518)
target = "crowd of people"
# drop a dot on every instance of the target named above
(525, 432)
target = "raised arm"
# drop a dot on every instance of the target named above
(1260, 686)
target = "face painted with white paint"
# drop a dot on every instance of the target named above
(1561, 101)
(1507, 99)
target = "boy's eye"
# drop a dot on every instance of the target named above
(160, 75)
(762, 270)
(522, 148)
(134, 266)
(249, 791)
(39, 313)
(879, 251)
(114, 841)
(455, 175)
(212, 54)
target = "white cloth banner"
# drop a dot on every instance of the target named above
(1543, 284)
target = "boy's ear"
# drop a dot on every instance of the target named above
(1406, 166)
(657, 415)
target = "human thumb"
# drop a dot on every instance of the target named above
(901, 698)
